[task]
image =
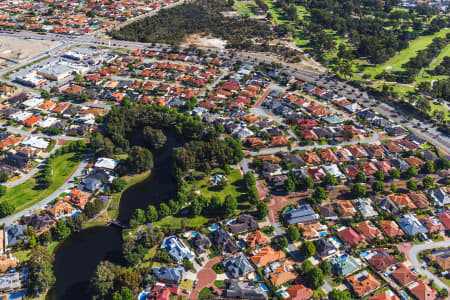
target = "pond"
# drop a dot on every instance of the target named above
(78, 256)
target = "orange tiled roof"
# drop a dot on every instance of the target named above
(391, 228)
(267, 255)
(256, 238)
(364, 284)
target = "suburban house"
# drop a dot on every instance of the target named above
(351, 237)
(61, 209)
(411, 225)
(327, 211)
(40, 222)
(169, 274)
(237, 289)
(177, 249)
(391, 228)
(423, 291)
(442, 257)
(262, 257)
(363, 283)
(242, 223)
(440, 197)
(381, 261)
(365, 207)
(281, 272)
(200, 243)
(14, 233)
(325, 247)
(369, 230)
(303, 214)
(257, 238)
(345, 265)
(403, 275)
(387, 295)
(237, 265)
(222, 241)
(299, 292)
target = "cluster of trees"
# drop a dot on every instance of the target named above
(314, 276)
(423, 59)
(114, 282)
(443, 68)
(40, 267)
(134, 250)
(139, 160)
(439, 89)
(170, 26)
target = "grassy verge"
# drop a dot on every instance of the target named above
(28, 193)
(113, 208)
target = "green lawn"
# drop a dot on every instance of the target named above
(28, 193)
(444, 52)
(233, 187)
(205, 293)
(396, 62)
(219, 284)
(245, 8)
(187, 284)
(175, 222)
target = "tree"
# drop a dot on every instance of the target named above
(336, 294)
(314, 278)
(262, 210)
(308, 249)
(3, 190)
(292, 233)
(45, 94)
(443, 293)
(411, 172)
(154, 138)
(229, 205)
(358, 190)
(428, 168)
(379, 175)
(394, 173)
(393, 188)
(319, 195)
(151, 214)
(4, 177)
(6, 208)
(289, 185)
(307, 183)
(360, 177)
(125, 294)
(163, 211)
(427, 182)
(188, 265)
(118, 184)
(139, 160)
(411, 184)
(377, 186)
(139, 216)
(40, 266)
(253, 196)
(442, 163)
(102, 282)
(329, 180)
(325, 266)
(173, 206)
(61, 231)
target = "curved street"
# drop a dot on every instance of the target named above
(414, 252)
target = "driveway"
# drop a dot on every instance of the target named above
(414, 252)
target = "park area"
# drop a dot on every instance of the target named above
(30, 192)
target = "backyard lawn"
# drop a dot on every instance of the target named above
(28, 193)
(175, 222)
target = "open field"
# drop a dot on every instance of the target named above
(17, 49)
(28, 193)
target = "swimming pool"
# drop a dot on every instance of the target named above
(76, 213)
(257, 278)
(194, 233)
(16, 296)
(404, 295)
(343, 256)
(336, 240)
(264, 287)
(240, 244)
(142, 296)
(214, 227)
(364, 254)
(323, 233)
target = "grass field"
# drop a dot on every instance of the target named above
(175, 222)
(28, 193)
(233, 187)
(396, 62)
(245, 8)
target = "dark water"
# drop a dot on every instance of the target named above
(78, 256)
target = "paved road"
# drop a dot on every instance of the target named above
(30, 174)
(42, 135)
(414, 252)
(69, 182)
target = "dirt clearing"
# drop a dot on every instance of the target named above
(19, 49)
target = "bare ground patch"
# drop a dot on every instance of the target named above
(18, 49)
